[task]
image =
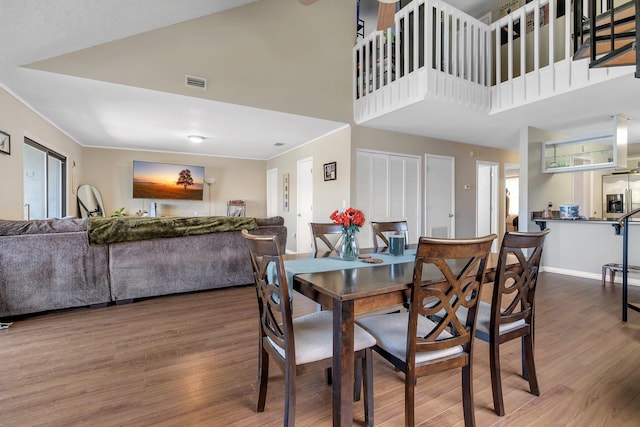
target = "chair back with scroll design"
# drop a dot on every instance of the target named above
(447, 343)
(511, 313)
(382, 229)
(296, 345)
(319, 231)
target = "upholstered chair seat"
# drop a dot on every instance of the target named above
(484, 320)
(314, 338)
(391, 333)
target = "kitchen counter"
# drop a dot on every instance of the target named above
(542, 222)
(580, 247)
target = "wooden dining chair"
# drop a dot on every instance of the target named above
(301, 344)
(511, 313)
(418, 346)
(381, 231)
(320, 231)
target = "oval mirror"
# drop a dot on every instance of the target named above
(89, 201)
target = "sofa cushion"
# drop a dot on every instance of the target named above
(274, 220)
(42, 226)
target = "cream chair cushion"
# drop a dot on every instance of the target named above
(484, 319)
(390, 331)
(313, 335)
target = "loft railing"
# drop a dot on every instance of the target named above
(532, 37)
(428, 34)
(534, 41)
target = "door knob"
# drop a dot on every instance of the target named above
(450, 215)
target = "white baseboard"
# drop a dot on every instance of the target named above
(587, 275)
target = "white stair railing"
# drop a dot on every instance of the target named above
(520, 58)
(428, 34)
(530, 42)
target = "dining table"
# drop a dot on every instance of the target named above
(351, 288)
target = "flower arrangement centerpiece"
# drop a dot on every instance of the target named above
(351, 220)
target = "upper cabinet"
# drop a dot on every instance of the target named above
(579, 154)
(608, 151)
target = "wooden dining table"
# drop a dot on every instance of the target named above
(352, 291)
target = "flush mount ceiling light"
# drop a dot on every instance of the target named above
(196, 139)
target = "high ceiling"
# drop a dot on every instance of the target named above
(99, 113)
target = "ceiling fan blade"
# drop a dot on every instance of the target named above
(306, 2)
(386, 14)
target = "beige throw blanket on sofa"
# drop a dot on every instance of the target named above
(102, 231)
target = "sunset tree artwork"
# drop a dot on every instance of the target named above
(185, 178)
(166, 181)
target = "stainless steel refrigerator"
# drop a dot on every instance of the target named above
(620, 194)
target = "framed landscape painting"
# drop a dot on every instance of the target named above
(167, 181)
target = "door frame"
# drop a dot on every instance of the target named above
(506, 167)
(272, 192)
(494, 204)
(302, 227)
(452, 210)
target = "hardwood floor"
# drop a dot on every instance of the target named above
(191, 360)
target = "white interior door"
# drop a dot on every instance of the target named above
(487, 199)
(440, 196)
(304, 205)
(272, 192)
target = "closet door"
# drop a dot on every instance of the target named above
(387, 189)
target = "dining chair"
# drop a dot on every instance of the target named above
(301, 344)
(319, 231)
(382, 229)
(511, 313)
(418, 346)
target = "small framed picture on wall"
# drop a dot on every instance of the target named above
(285, 192)
(5, 143)
(330, 171)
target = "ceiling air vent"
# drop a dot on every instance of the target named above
(194, 81)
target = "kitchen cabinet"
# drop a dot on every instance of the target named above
(583, 154)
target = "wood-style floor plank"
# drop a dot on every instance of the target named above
(192, 360)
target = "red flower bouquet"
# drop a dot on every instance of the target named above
(351, 221)
(349, 218)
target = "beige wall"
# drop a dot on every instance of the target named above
(19, 121)
(327, 195)
(466, 156)
(111, 172)
(274, 54)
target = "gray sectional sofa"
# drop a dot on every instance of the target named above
(49, 264)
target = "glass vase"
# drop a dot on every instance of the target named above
(349, 249)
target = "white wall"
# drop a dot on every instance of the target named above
(19, 121)
(111, 171)
(327, 195)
